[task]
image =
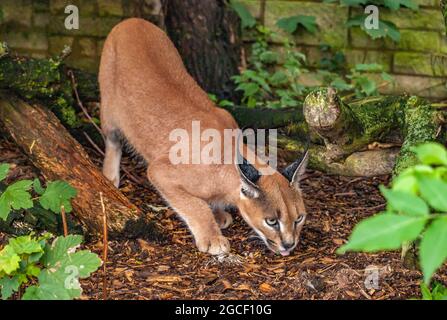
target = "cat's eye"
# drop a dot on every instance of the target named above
(299, 220)
(271, 222)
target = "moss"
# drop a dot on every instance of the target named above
(42, 80)
(420, 123)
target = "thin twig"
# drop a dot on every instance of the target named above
(95, 146)
(105, 249)
(84, 110)
(64, 221)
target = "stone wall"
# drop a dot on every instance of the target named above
(36, 28)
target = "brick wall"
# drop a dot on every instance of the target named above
(417, 62)
(36, 27)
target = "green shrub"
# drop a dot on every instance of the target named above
(416, 210)
(46, 271)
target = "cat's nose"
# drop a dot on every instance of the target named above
(288, 245)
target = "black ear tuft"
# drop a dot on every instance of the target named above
(249, 172)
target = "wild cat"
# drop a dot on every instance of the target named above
(146, 94)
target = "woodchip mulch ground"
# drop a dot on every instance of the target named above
(174, 269)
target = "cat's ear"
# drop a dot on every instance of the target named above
(295, 171)
(249, 177)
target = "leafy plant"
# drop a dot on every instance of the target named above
(292, 24)
(272, 77)
(439, 292)
(358, 80)
(247, 19)
(416, 210)
(17, 196)
(385, 28)
(46, 271)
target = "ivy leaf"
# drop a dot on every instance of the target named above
(434, 191)
(340, 84)
(25, 245)
(386, 28)
(396, 4)
(9, 260)
(9, 286)
(384, 231)
(16, 197)
(57, 194)
(431, 154)
(291, 24)
(433, 248)
(4, 169)
(405, 203)
(367, 85)
(247, 19)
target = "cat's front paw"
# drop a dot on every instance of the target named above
(215, 245)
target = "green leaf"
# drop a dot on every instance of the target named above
(426, 293)
(9, 260)
(64, 268)
(32, 270)
(406, 183)
(340, 84)
(405, 203)
(25, 245)
(247, 19)
(384, 232)
(38, 187)
(16, 197)
(386, 28)
(4, 169)
(58, 194)
(367, 85)
(278, 78)
(9, 286)
(291, 24)
(433, 248)
(59, 249)
(396, 4)
(431, 153)
(434, 191)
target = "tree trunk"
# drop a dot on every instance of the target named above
(59, 157)
(208, 39)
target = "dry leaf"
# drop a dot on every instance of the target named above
(266, 288)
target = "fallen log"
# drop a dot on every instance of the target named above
(349, 128)
(59, 157)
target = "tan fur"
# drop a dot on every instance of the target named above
(146, 93)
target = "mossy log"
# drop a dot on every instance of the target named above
(348, 131)
(59, 157)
